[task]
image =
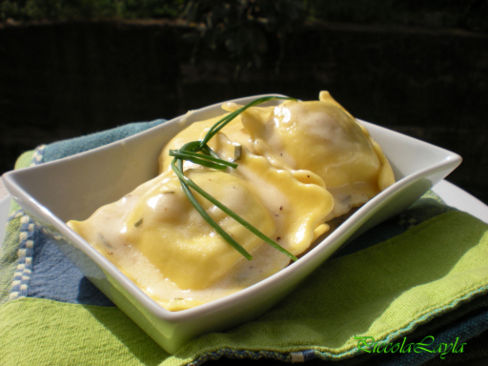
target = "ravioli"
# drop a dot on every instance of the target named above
(321, 136)
(156, 237)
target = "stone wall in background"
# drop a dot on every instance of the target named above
(59, 80)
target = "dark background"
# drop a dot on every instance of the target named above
(421, 69)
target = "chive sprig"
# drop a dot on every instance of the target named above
(198, 152)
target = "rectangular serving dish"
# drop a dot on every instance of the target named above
(91, 179)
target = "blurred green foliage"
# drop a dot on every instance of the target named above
(246, 31)
(243, 30)
(467, 14)
(204, 10)
(65, 10)
(251, 33)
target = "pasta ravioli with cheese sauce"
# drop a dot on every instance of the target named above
(300, 164)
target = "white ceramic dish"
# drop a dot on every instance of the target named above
(73, 187)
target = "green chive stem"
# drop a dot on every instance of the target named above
(193, 155)
(209, 158)
(225, 120)
(235, 216)
(204, 214)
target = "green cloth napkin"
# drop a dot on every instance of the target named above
(382, 292)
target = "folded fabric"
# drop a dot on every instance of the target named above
(412, 289)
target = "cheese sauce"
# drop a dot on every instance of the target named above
(300, 164)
